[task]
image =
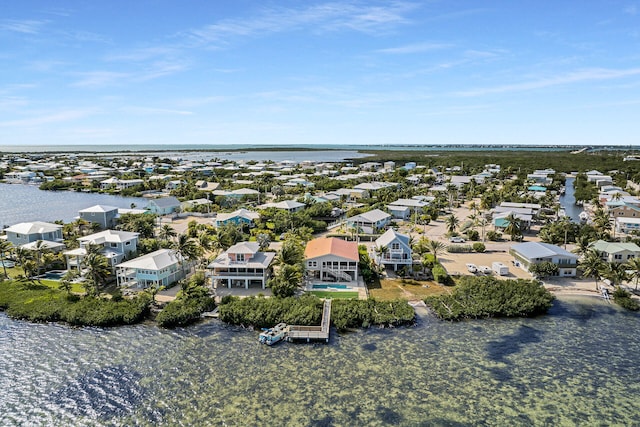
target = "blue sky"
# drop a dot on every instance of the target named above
(315, 72)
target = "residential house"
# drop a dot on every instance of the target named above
(242, 265)
(627, 225)
(290, 206)
(615, 251)
(403, 208)
(393, 250)
(120, 184)
(27, 232)
(105, 216)
(369, 222)
(619, 208)
(530, 253)
(190, 204)
(238, 217)
(164, 205)
(207, 186)
(332, 259)
(160, 268)
(114, 245)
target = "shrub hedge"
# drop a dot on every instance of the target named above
(476, 297)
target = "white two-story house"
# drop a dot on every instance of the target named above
(242, 265)
(332, 259)
(114, 245)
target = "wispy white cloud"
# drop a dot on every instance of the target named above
(47, 118)
(99, 78)
(10, 103)
(415, 48)
(594, 74)
(325, 17)
(24, 26)
(160, 69)
(154, 111)
(143, 54)
(631, 10)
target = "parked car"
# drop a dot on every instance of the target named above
(484, 269)
(457, 239)
(472, 268)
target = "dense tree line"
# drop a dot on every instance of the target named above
(39, 303)
(307, 310)
(477, 297)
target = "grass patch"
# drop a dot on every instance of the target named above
(393, 289)
(334, 295)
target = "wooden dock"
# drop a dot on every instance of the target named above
(313, 332)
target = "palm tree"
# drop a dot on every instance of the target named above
(5, 247)
(616, 273)
(582, 245)
(452, 223)
(291, 253)
(592, 265)
(634, 266)
(187, 248)
(264, 240)
(514, 226)
(166, 232)
(380, 251)
(436, 247)
(96, 272)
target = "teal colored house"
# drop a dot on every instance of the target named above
(160, 268)
(239, 217)
(164, 206)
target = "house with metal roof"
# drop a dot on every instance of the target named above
(237, 217)
(160, 268)
(616, 251)
(103, 215)
(115, 245)
(27, 232)
(393, 250)
(242, 265)
(369, 222)
(530, 253)
(164, 205)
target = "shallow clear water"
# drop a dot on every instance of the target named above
(576, 366)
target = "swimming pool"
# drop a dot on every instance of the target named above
(330, 286)
(53, 275)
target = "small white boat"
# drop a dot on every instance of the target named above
(584, 216)
(275, 334)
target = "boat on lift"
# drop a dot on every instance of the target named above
(274, 335)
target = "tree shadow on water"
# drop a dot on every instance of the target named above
(500, 350)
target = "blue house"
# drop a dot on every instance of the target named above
(164, 205)
(239, 217)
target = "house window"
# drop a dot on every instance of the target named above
(127, 243)
(631, 256)
(313, 263)
(395, 246)
(240, 257)
(617, 256)
(114, 245)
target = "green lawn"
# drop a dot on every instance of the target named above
(334, 295)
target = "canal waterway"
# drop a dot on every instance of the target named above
(568, 201)
(22, 203)
(575, 366)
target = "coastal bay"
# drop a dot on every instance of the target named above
(562, 368)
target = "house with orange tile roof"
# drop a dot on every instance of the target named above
(332, 259)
